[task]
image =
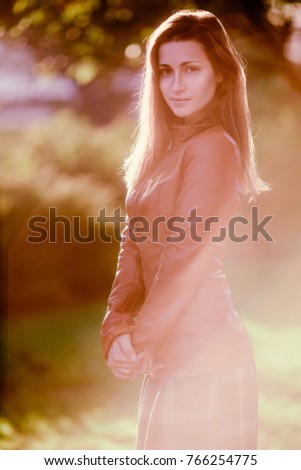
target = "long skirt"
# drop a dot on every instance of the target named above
(213, 411)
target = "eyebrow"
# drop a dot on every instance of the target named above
(182, 63)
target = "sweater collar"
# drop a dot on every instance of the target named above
(182, 132)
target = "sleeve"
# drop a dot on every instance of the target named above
(127, 292)
(209, 182)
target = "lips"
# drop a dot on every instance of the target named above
(179, 99)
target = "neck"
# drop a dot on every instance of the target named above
(194, 118)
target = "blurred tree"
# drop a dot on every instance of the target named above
(86, 37)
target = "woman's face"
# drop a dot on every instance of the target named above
(187, 78)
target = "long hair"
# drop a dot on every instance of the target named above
(229, 106)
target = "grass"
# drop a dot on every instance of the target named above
(61, 395)
(277, 353)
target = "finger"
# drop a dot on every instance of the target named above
(117, 353)
(126, 346)
(119, 375)
(122, 364)
(129, 354)
(124, 373)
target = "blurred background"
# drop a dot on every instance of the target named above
(69, 76)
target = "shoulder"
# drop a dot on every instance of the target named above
(214, 141)
(212, 155)
(213, 149)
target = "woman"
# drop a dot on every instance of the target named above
(170, 314)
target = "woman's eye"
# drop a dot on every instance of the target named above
(164, 71)
(191, 68)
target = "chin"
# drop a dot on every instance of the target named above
(181, 115)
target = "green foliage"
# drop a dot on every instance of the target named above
(65, 158)
(68, 164)
(96, 33)
(59, 386)
(61, 395)
(279, 383)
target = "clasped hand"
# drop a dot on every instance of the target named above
(125, 362)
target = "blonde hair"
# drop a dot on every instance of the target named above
(228, 108)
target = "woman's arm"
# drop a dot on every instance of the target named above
(127, 292)
(209, 184)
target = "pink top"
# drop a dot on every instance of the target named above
(173, 296)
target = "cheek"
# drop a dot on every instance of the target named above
(206, 86)
(212, 88)
(163, 87)
(212, 81)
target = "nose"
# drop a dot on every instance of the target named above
(178, 84)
